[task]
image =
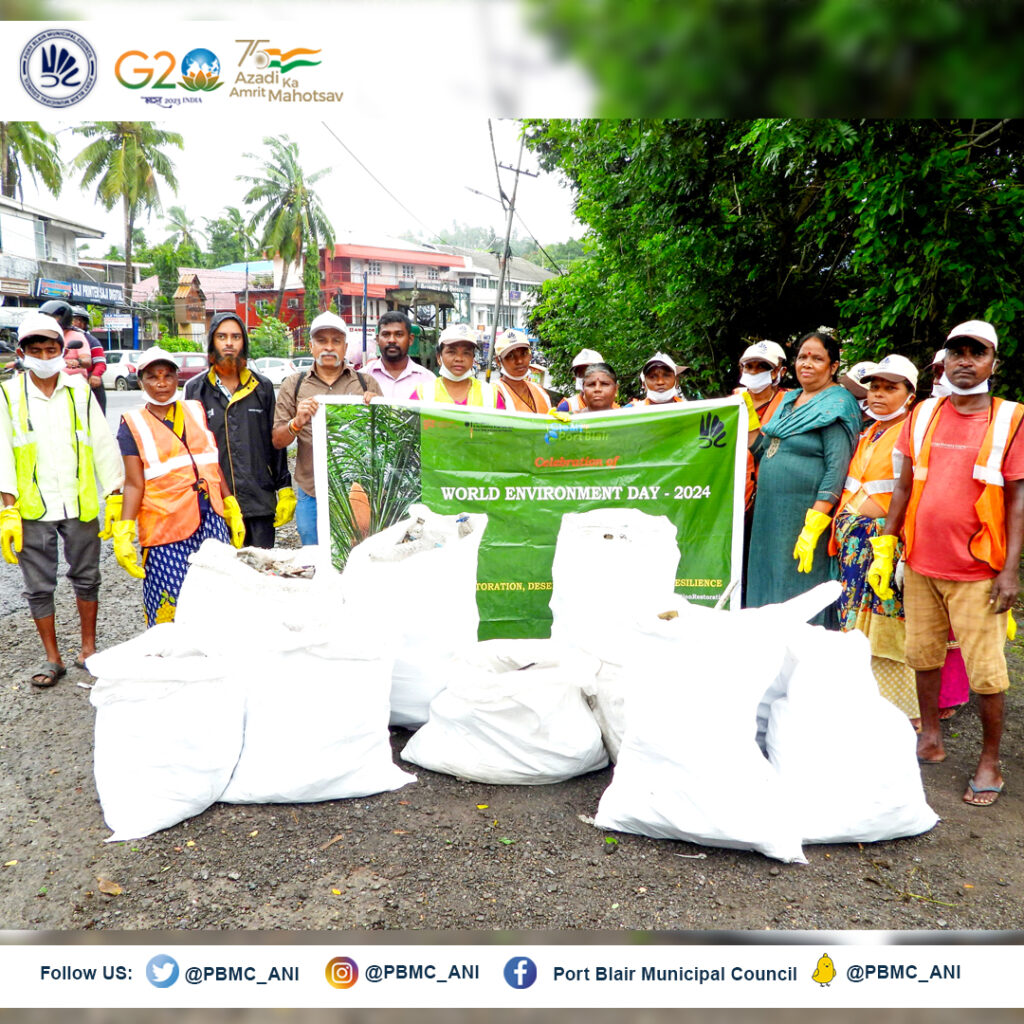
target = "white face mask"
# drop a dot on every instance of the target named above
(578, 383)
(940, 389)
(863, 403)
(978, 389)
(889, 415)
(160, 405)
(757, 382)
(44, 369)
(448, 375)
(658, 397)
(512, 376)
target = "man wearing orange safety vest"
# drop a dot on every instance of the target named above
(960, 502)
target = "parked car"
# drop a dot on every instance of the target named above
(303, 363)
(273, 368)
(121, 374)
(190, 364)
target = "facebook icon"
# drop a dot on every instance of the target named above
(520, 972)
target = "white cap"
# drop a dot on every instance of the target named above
(458, 332)
(508, 340)
(328, 319)
(586, 357)
(939, 357)
(40, 325)
(770, 351)
(660, 359)
(894, 367)
(851, 380)
(979, 330)
(154, 355)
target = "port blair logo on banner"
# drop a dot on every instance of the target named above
(58, 67)
(197, 72)
(276, 74)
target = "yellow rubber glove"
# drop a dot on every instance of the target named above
(753, 420)
(1011, 626)
(111, 514)
(233, 517)
(122, 532)
(881, 568)
(285, 511)
(562, 417)
(815, 523)
(10, 533)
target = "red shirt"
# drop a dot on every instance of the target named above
(946, 519)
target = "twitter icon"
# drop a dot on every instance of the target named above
(162, 971)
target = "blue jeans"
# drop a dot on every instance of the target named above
(305, 516)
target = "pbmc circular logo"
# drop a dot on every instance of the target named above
(58, 67)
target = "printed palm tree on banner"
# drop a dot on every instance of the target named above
(373, 470)
(25, 146)
(126, 160)
(290, 212)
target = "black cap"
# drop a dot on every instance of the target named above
(59, 310)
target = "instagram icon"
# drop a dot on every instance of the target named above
(342, 972)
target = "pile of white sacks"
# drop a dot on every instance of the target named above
(748, 730)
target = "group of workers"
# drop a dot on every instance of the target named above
(935, 486)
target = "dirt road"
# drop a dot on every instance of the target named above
(429, 857)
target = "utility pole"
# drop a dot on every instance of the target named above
(503, 258)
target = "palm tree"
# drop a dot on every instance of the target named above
(184, 230)
(293, 219)
(27, 146)
(125, 160)
(241, 228)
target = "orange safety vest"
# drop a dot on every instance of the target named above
(516, 404)
(764, 414)
(989, 542)
(174, 471)
(874, 469)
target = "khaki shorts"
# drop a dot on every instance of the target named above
(934, 606)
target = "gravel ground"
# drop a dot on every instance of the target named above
(427, 857)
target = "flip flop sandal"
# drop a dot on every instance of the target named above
(975, 790)
(51, 672)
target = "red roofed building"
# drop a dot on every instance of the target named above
(396, 271)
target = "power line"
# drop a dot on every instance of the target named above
(431, 234)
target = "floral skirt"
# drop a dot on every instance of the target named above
(881, 621)
(167, 564)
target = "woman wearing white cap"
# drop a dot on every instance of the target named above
(456, 352)
(860, 515)
(586, 357)
(660, 377)
(513, 352)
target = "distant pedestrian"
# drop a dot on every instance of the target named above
(80, 321)
(55, 446)
(240, 405)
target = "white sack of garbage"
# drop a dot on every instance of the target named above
(419, 577)
(606, 696)
(638, 555)
(169, 726)
(316, 720)
(846, 756)
(690, 767)
(513, 713)
(239, 590)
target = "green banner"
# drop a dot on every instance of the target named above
(525, 472)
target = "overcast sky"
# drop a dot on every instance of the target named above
(427, 174)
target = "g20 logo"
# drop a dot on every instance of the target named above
(200, 70)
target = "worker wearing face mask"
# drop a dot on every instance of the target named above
(660, 378)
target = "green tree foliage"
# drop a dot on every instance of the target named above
(311, 282)
(126, 159)
(27, 147)
(289, 210)
(816, 57)
(271, 337)
(177, 344)
(707, 235)
(230, 240)
(183, 228)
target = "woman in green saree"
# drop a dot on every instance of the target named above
(803, 455)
